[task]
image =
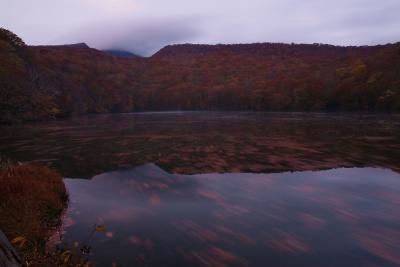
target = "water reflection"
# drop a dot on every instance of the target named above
(204, 142)
(340, 217)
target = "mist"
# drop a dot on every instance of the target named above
(143, 27)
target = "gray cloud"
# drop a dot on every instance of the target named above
(144, 26)
(149, 37)
(142, 37)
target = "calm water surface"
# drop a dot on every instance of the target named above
(341, 217)
(225, 189)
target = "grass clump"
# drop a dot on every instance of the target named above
(32, 201)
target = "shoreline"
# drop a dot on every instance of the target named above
(178, 112)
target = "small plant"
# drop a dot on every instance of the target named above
(61, 257)
(5, 163)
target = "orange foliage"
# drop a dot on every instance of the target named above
(56, 81)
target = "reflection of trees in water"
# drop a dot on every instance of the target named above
(210, 142)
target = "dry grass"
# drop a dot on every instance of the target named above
(32, 200)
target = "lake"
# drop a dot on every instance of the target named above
(225, 188)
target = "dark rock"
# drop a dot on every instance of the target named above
(8, 255)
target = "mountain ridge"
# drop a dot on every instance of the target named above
(120, 53)
(74, 45)
(42, 82)
(234, 47)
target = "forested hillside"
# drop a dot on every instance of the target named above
(57, 81)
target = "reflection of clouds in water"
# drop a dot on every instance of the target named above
(288, 243)
(137, 241)
(311, 221)
(228, 219)
(214, 256)
(109, 234)
(381, 242)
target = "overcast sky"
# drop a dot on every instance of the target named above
(145, 26)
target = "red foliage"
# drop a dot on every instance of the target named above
(54, 81)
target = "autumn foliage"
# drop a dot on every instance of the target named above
(32, 199)
(56, 81)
